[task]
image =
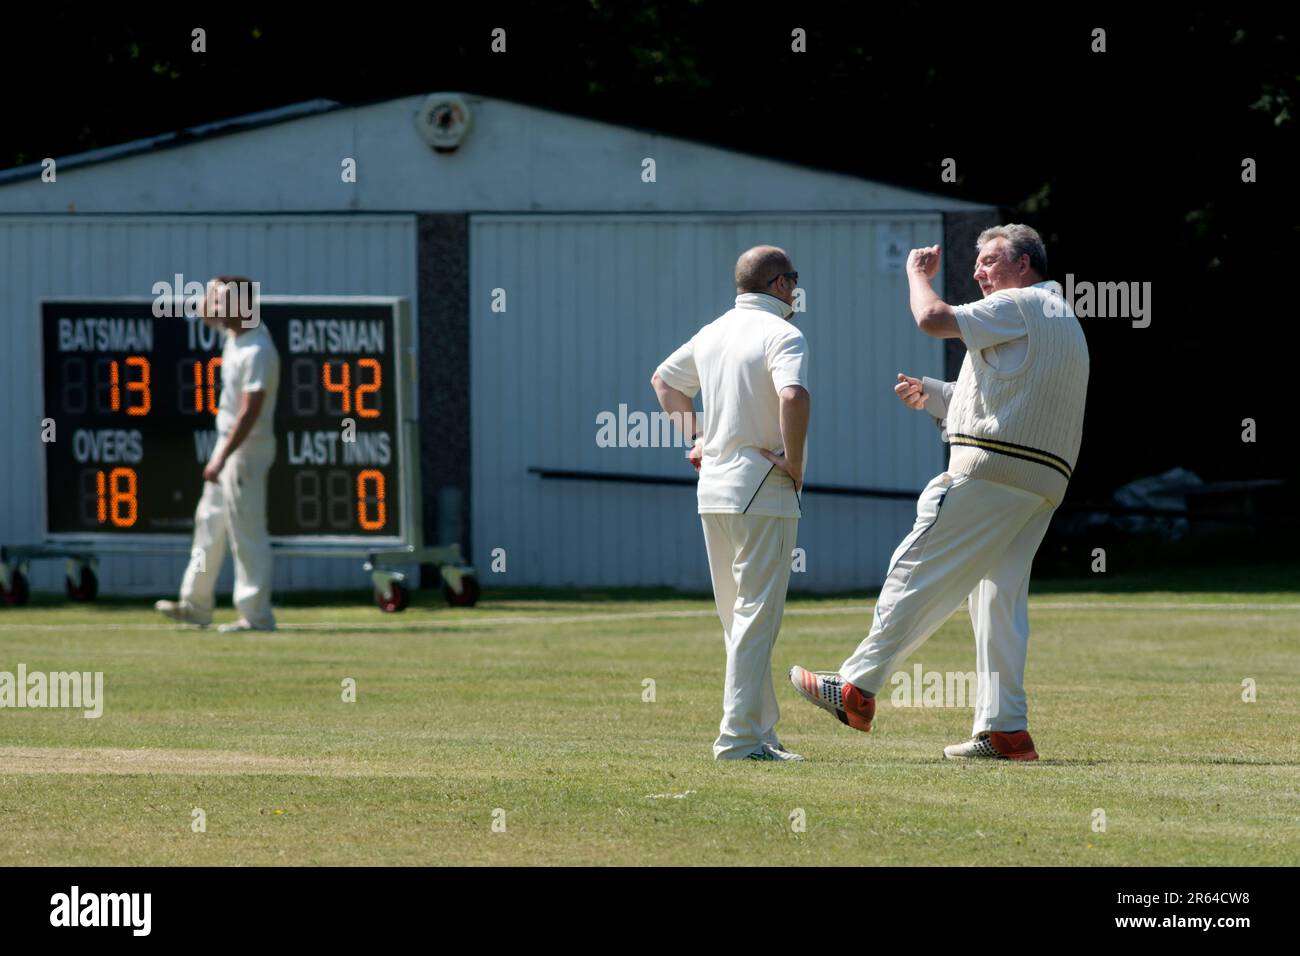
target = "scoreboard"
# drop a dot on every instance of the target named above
(130, 399)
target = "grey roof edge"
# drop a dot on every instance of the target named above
(316, 107)
(971, 204)
(347, 212)
(182, 137)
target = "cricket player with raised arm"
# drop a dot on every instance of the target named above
(1014, 421)
(750, 367)
(232, 508)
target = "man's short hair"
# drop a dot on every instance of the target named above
(757, 267)
(244, 294)
(1023, 241)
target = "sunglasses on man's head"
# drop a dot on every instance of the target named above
(792, 276)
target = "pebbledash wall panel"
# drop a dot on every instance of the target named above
(114, 255)
(594, 302)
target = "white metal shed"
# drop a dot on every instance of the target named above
(604, 275)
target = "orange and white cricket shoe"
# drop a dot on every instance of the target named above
(829, 691)
(992, 745)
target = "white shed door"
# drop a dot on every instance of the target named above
(569, 317)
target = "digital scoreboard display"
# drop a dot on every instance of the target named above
(133, 397)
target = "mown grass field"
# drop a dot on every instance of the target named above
(532, 704)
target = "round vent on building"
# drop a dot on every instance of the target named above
(443, 121)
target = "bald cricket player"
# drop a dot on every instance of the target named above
(750, 368)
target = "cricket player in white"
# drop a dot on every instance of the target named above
(1014, 420)
(233, 506)
(751, 368)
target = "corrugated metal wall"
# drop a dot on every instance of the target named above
(126, 255)
(594, 303)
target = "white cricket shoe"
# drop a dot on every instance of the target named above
(768, 752)
(183, 612)
(240, 627)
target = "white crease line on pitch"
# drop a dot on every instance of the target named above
(417, 624)
(1156, 606)
(789, 612)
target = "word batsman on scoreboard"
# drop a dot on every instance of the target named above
(340, 425)
(134, 399)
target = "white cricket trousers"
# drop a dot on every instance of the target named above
(749, 562)
(972, 539)
(233, 510)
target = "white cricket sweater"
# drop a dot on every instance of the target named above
(1023, 428)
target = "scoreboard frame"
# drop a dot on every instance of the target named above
(384, 554)
(409, 537)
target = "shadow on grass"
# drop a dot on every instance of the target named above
(1049, 762)
(387, 629)
(1123, 577)
(1152, 576)
(941, 761)
(1242, 579)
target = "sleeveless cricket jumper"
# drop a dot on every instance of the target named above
(1023, 427)
(1015, 434)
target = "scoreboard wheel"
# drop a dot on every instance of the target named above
(468, 595)
(84, 590)
(17, 592)
(398, 599)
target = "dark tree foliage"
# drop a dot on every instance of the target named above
(1128, 161)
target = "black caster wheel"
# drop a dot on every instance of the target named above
(396, 601)
(84, 590)
(468, 595)
(17, 592)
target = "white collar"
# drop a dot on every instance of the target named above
(765, 302)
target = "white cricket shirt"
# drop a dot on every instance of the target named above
(249, 363)
(739, 363)
(993, 327)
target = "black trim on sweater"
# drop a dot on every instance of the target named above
(1006, 448)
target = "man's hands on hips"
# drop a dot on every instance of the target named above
(792, 468)
(910, 392)
(796, 408)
